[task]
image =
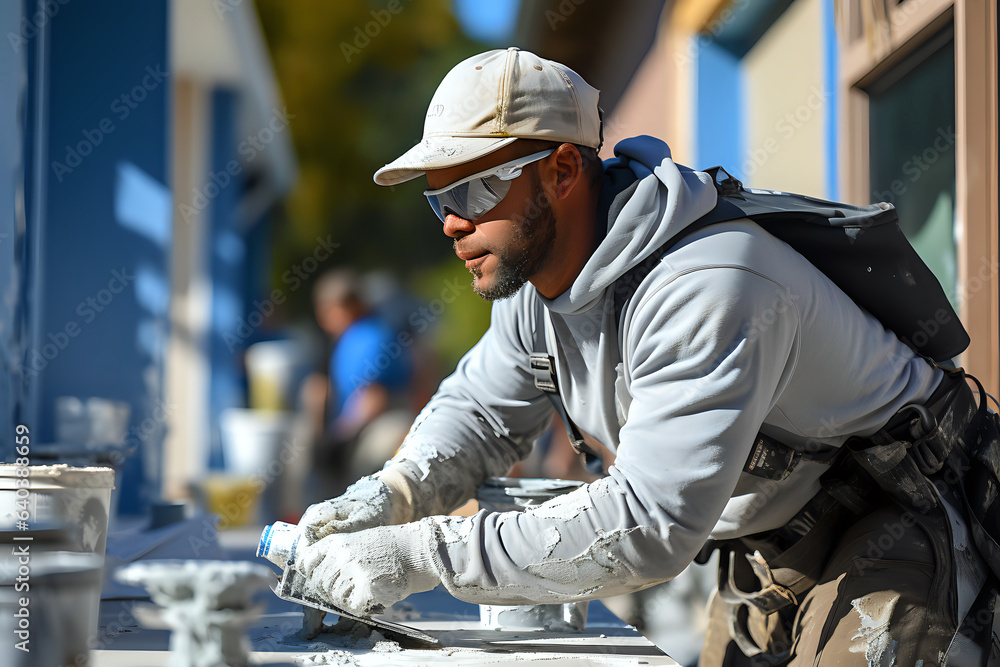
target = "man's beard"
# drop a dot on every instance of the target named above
(524, 254)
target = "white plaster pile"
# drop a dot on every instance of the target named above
(344, 634)
(330, 658)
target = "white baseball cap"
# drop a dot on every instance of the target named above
(492, 99)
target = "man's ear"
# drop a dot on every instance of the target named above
(568, 166)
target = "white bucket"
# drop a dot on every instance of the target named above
(252, 439)
(515, 494)
(569, 617)
(60, 494)
(273, 369)
(92, 422)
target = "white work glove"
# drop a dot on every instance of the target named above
(364, 572)
(365, 504)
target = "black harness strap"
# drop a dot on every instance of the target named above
(769, 458)
(543, 367)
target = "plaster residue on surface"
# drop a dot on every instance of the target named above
(875, 611)
(344, 634)
(330, 658)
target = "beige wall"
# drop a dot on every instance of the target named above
(787, 104)
(657, 99)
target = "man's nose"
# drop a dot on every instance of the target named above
(455, 227)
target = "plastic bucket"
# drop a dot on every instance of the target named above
(506, 494)
(92, 421)
(274, 369)
(61, 612)
(252, 439)
(513, 494)
(569, 617)
(60, 494)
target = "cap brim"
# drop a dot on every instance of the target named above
(438, 153)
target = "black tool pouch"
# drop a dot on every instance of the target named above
(981, 483)
(958, 453)
(922, 446)
(888, 462)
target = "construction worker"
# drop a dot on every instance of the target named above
(732, 352)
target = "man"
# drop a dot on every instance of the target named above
(732, 334)
(364, 403)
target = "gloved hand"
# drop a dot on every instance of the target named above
(364, 572)
(365, 504)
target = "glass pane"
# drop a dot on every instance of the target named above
(912, 153)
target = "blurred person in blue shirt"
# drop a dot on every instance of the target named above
(366, 406)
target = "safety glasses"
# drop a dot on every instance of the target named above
(473, 196)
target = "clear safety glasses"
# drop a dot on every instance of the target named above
(473, 196)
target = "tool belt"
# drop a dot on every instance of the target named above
(947, 448)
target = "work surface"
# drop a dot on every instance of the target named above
(464, 641)
(606, 641)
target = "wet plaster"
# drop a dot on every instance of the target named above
(874, 613)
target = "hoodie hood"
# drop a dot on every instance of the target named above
(646, 198)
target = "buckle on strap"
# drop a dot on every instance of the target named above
(771, 596)
(542, 366)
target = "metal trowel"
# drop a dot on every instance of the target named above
(405, 635)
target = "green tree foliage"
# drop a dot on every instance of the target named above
(358, 76)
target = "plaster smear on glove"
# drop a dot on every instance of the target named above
(366, 590)
(365, 504)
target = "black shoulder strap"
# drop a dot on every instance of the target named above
(543, 368)
(862, 249)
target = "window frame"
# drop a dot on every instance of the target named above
(864, 60)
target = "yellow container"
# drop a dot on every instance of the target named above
(234, 499)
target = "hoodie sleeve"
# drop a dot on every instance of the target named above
(483, 418)
(706, 355)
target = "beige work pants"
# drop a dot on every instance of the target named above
(880, 598)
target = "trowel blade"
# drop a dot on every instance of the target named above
(396, 631)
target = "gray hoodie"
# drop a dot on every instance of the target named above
(731, 333)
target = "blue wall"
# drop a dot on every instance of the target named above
(103, 238)
(719, 108)
(832, 84)
(720, 94)
(14, 77)
(227, 266)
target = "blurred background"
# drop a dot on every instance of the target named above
(179, 178)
